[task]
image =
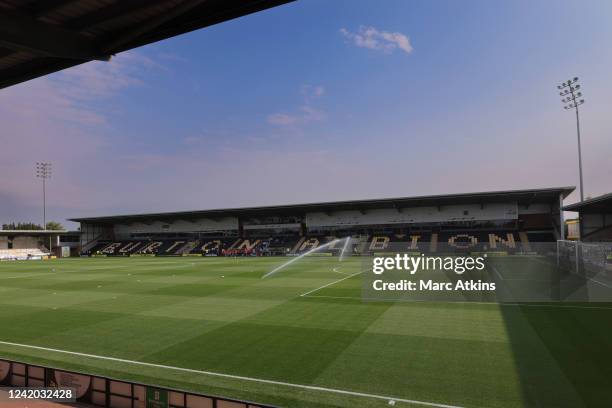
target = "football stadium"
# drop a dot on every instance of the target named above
(405, 298)
(267, 305)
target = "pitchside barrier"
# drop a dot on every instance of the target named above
(109, 392)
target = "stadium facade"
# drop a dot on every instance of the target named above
(499, 219)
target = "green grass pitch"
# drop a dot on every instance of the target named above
(217, 315)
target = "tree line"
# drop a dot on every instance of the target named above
(20, 226)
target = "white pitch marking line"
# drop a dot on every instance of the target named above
(400, 301)
(353, 298)
(497, 272)
(601, 283)
(335, 269)
(236, 377)
(32, 275)
(329, 284)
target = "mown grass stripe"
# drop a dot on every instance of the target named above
(235, 377)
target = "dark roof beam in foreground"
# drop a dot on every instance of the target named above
(41, 7)
(107, 13)
(207, 14)
(38, 37)
(20, 32)
(118, 43)
(4, 52)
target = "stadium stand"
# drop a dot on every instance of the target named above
(423, 241)
(280, 245)
(23, 254)
(506, 221)
(168, 247)
(595, 218)
(36, 244)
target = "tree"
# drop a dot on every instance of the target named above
(21, 226)
(55, 226)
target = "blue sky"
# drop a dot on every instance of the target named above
(319, 101)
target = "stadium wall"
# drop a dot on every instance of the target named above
(596, 227)
(108, 392)
(123, 231)
(451, 213)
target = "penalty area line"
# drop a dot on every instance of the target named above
(601, 283)
(329, 284)
(337, 270)
(497, 272)
(231, 376)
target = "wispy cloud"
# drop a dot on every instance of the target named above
(193, 140)
(374, 39)
(58, 118)
(282, 119)
(99, 79)
(306, 113)
(312, 91)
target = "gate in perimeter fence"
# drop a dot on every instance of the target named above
(109, 392)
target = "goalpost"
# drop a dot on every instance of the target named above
(567, 255)
(587, 259)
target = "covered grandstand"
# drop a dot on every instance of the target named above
(37, 244)
(595, 218)
(508, 220)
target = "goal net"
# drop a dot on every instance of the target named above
(591, 260)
